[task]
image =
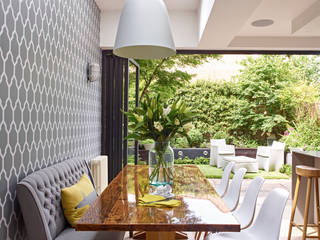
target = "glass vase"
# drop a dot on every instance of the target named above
(161, 164)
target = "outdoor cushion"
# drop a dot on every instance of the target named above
(241, 159)
(72, 234)
(225, 153)
(77, 198)
(266, 155)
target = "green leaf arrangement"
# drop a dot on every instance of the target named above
(152, 121)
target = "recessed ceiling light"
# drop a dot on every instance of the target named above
(262, 23)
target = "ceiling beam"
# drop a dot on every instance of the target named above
(226, 19)
(308, 43)
(307, 16)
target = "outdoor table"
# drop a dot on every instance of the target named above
(117, 209)
(251, 164)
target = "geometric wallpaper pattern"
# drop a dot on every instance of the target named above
(49, 112)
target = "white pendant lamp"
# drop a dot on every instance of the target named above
(144, 31)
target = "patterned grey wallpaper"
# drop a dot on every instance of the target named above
(48, 110)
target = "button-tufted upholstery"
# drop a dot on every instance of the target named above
(39, 195)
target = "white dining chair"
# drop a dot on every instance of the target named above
(245, 213)
(231, 198)
(222, 188)
(268, 223)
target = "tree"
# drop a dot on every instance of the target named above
(270, 83)
(269, 94)
(167, 74)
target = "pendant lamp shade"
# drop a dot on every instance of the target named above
(144, 31)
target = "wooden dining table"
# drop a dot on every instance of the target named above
(117, 209)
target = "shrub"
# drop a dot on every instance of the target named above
(197, 161)
(202, 161)
(180, 142)
(185, 160)
(286, 169)
(305, 133)
(194, 138)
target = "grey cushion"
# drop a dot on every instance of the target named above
(71, 234)
(39, 196)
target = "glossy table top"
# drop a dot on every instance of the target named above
(201, 207)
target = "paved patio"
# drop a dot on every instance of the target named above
(267, 187)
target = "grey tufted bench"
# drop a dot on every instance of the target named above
(40, 201)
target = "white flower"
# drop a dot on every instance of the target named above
(158, 126)
(187, 127)
(166, 111)
(177, 122)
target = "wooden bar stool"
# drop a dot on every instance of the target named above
(310, 173)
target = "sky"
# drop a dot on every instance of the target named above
(214, 70)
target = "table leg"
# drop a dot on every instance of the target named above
(181, 235)
(160, 235)
(139, 235)
(143, 235)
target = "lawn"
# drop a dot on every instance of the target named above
(213, 172)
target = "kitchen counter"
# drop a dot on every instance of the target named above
(308, 158)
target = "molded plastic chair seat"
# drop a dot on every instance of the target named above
(245, 213)
(267, 224)
(222, 188)
(231, 198)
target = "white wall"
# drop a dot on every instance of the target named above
(108, 28)
(184, 26)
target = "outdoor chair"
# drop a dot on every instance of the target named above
(232, 196)
(218, 150)
(271, 157)
(222, 188)
(267, 225)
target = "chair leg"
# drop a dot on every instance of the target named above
(294, 205)
(317, 205)
(199, 235)
(205, 235)
(306, 209)
(131, 234)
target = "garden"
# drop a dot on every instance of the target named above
(273, 97)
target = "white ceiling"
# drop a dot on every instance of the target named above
(107, 5)
(226, 24)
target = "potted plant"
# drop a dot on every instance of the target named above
(151, 120)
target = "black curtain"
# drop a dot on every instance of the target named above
(113, 83)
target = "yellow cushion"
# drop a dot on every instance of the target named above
(77, 198)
